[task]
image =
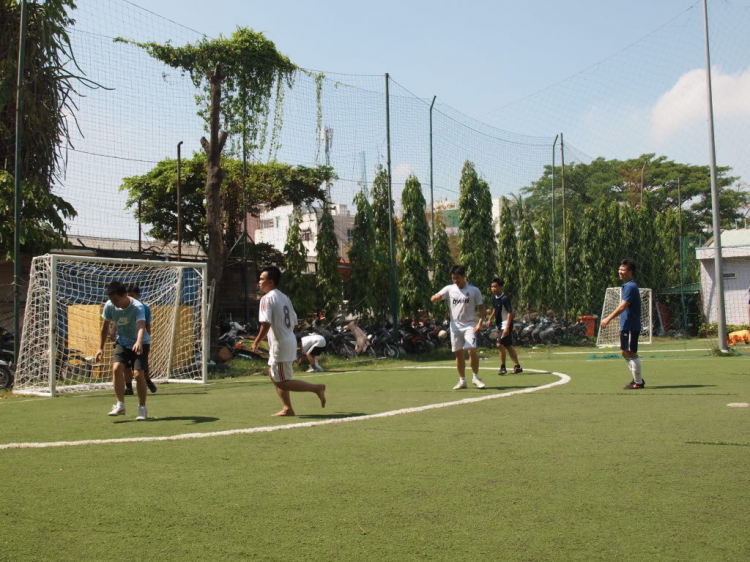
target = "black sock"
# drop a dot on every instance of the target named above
(129, 385)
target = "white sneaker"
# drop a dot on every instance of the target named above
(318, 369)
(117, 410)
(476, 381)
(311, 370)
(141, 414)
(461, 384)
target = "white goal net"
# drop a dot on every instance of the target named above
(63, 320)
(610, 336)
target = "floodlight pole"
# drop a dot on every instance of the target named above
(17, 189)
(565, 231)
(432, 192)
(553, 199)
(391, 236)
(721, 319)
(179, 202)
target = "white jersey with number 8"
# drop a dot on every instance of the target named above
(277, 310)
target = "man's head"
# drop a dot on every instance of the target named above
(497, 286)
(117, 293)
(458, 275)
(626, 270)
(134, 291)
(269, 278)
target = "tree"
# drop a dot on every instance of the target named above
(267, 186)
(508, 251)
(328, 279)
(441, 266)
(361, 257)
(415, 250)
(296, 281)
(529, 265)
(381, 293)
(476, 237)
(48, 110)
(237, 76)
(546, 290)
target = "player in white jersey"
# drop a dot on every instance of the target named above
(277, 320)
(463, 300)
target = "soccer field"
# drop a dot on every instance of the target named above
(578, 471)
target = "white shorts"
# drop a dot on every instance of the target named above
(281, 372)
(463, 336)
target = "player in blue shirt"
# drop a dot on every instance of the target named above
(131, 347)
(630, 322)
(134, 291)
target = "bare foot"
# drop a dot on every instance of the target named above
(322, 395)
(284, 413)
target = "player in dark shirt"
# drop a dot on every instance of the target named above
(501, 307)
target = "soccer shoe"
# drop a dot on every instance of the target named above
(141, 414)
(128, 391)
(502, 370)
(517, 369)
(476, 381)
(632, 385)
(117, 411)
(311, 370)
(151, 386)
(461, 384)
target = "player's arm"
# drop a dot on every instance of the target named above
(440, 295)
(492, 315)
(262, 333)
(482, 314)
(508, 320)
(102, 338)
(138, 345)
(615, 313)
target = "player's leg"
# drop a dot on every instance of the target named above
(281, 375)
(128, 381)
(470, 343)
(140, 367)
(457, 345)
(120, 361)
(502, 369)
(513, 355)
(118, 373)
(310, 361)
(629, 352)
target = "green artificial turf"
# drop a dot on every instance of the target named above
(582, 471)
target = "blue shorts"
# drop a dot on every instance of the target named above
(629, 340)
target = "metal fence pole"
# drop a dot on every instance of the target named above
(394, 289)
(432, 192)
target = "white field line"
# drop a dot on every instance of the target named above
(564, 379)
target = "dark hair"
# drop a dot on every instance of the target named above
(134, 288)
(273, 273)
(629, 264)
(498, 281)
(116, 288)
(458, 270)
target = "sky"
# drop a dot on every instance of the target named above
(618, 78)
(476, 56)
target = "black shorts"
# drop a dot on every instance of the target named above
(132, 361)
(315, 351)
(507, 341)
(629, 340)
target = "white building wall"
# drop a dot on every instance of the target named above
(736, 283)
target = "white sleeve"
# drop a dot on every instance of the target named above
(266, 310)
(444, 292)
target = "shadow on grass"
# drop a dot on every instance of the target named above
(194, 419)
(680, 386)
(340, 415)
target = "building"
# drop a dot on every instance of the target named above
(274, 225)
(735, 250)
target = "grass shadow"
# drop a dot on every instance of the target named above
(679, 386)
(194, 419)
(340, 415)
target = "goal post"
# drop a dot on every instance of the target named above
(63, 322)
(610, 336)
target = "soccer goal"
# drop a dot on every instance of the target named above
(63, 320)
(610, 336)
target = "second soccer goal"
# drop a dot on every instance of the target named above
(610, 336)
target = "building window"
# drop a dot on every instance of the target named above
(350, 234)
(730, 276)
(306, 236)
(269, 223)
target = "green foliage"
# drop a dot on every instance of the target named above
(529, 265)
(361, 257)
(267, 186)
(414, 284)
(251, 67)
(42, 217)
(296, 283)
(508, 264)
(441, 266)
(48, 110)
(476, 236)
(381, 294)
(328, 278)
(620, 180)
(545, 290)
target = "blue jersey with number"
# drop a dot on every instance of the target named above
(630, 319)
(276, 309)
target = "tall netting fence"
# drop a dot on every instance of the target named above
(548, 193)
